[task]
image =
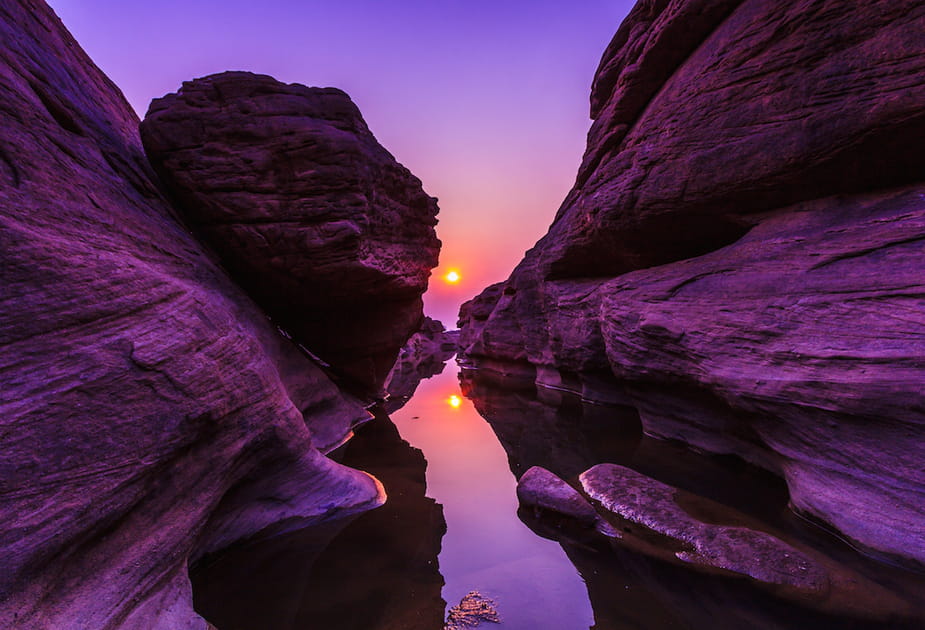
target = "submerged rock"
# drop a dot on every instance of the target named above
(741, 253)
(309, 213)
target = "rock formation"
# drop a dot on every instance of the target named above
(308, 212)
(740, 257)
(386, 559)
(424, 355)
(151, 412)
(675, 533)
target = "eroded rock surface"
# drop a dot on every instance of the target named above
(385, 559)
(332, 236)
(721, 506)
(740, 257)
(643, 501)
(150, 411)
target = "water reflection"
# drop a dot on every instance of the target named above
(487, 548)
(380, 572)
(629, 590)
(397, 567)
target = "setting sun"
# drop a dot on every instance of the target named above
(454, 401)
(452, 276)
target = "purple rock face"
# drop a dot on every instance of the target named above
(308, 212)
(741, 254)
(150, 412)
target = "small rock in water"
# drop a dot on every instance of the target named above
(471, 611)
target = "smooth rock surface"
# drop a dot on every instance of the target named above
(332, 236)
(541, 489)
(740, 257)
(150, 411)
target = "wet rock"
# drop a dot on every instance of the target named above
(315, 219)
(741, 252)
(471, 611)
(641, 500)
(149, 410)
(662, 521)
(539, 488)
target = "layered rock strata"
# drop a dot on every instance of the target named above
(740, 258)
(151, 412)
(310, 214)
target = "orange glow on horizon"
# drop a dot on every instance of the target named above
(454, 401)
(452, 276)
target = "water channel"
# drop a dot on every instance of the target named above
(448, 459)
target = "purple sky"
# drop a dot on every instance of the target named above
(485, 100)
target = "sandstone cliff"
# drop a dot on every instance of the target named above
(151, 412)
(741, 256)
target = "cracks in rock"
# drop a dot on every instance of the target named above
(613, 142)
(864, 252)
(8, 169)
(673, 291)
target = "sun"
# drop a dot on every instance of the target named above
(452, 276)
(454, 401)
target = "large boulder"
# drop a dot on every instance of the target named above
(740, 257)
(151, 413)
(318, 222)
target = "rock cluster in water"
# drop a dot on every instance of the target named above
(741, 256)
(151, 412)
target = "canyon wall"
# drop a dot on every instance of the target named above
(151, 411)
(741, 256)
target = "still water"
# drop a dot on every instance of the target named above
(487, 548)
(448, 459)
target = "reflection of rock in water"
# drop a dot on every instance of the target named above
(471, 611)
(425, 355)
(567, 438)
(379, 573)
(633, 590)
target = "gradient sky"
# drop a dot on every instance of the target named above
(485, 100)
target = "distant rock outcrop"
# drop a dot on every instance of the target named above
(425, 355)
(318, 222)
(741, 256)
(151, 412)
